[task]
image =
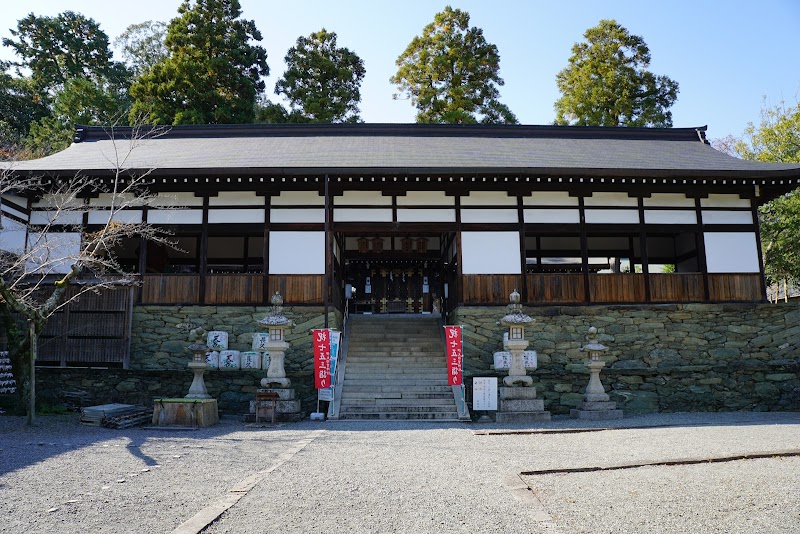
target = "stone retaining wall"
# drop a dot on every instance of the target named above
(158, 344)
(690, 357)
(232, 389)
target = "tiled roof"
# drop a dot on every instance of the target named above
(271, 149)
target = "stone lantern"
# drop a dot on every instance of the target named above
(198, 365)
(276, 324)
(516, 321)
(595, 403)
(518, 402)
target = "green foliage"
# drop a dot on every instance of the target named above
(606, 82)
(55, 49)
(776, 139)
(81, 101)
(321, 81)
(20, 104)
(451, 74)
(142, 45)
(212, 74)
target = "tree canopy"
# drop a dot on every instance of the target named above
(212, 74)
(451, 74)
(777, 139)
(57, 48)
(321, 81)
(142, 45)
(606, 82)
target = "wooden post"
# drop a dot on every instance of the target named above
(328, 255)
(32, 389)
(584, 250)
(203, 251)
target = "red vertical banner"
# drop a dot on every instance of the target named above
(322, 358)
(455, 354)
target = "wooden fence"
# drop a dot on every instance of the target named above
(94, 329)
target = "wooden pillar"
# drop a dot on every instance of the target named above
(754, 208)
(265, 251)
(523, 289)
(142, 259)
(203, 250)
(584, 250)
(328, 252)
(643, 251)
(701, 249)
(459, 293)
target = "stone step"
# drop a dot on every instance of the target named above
(396, 361)
(395, 382)
(393, 377)
(437, 416)
(392, 389)
(354, 395)
(410, 402)
(396, 408)
(400, 348)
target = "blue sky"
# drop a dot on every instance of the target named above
(726, 55)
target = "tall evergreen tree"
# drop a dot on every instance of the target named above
(55, 49)
(322, 80)
(213, 73)
(451, 74)
(142, 45)
(607, 82)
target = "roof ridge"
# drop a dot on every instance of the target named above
(93, 133)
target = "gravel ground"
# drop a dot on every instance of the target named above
(403, 476)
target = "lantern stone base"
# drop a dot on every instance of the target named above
(278, 383)
(520, 405)
(287, 408)
(193, 413)
(596, 410)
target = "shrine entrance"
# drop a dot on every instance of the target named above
(396, 274)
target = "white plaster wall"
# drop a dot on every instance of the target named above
(105, 199)
(362, 215)
(48, 201)
(490, 253)
(12, 237)
(182, 200)
(612, 216)
(218, 216)
(430, 215)
(425, 198)
(298, 198)
(489, 216)
(670, 217)
(677, 200)
(727, 217)
(550, 198)
(53, 252)
(297, 253)
(552, 216)
(126, 216)
(175, 216)
(362, 198)
(610, 199)
(308, 215)
(488, 198)
(236, 198)
(49, 217)
(724, 201)
(731, 252)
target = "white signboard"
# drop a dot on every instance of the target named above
(484, 393)
(502, 359)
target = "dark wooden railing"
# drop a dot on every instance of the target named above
(299, 288)
(562, 288)
(676, 287)
(488, 288)
(170, 289)
(476, 289)
(740, 287)
(234, 289)
(626, 287)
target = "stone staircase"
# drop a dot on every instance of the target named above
(396, 369)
